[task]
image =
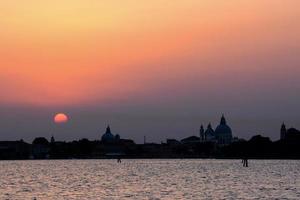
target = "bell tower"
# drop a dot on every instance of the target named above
(282, 132)
(202, 138)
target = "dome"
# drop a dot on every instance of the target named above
(108, 136)
(223, 132)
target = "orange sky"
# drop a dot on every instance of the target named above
(80, 52)
(158, 68)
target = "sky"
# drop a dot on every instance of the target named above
(156, 68)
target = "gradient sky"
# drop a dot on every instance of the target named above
(158, 68)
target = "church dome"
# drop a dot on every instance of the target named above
(223, 132)
(108, 136)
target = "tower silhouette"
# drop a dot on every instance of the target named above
(202, 133)
(283, 131)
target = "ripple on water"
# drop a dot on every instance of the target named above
(149, 179)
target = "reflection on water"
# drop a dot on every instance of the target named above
(149, 179)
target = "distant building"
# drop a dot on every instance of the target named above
(223, 132)
(209, 134)
(172, 142)
(290, 134)
(14, 150)
(202, 133)
(221, 135)
(283, 132)
(108, 137)
(191, 139)
(40, 148)
(113, 146)
(293, 134)
(52, 140)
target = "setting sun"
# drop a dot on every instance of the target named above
(61, 118)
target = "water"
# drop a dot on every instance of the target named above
(149, 179)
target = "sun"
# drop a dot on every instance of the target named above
(60, 118)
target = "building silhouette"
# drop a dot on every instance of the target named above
(191, 139)
(210, 143)
(202, 134)
(223, 132)
(283, 132)
(290, 134)
(221, 135)
(108, 137)
(209, 134)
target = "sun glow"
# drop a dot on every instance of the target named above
(61, 118)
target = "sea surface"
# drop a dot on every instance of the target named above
(149, 179)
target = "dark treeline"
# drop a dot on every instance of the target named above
(257, 147)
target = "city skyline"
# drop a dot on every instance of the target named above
(58, 127)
